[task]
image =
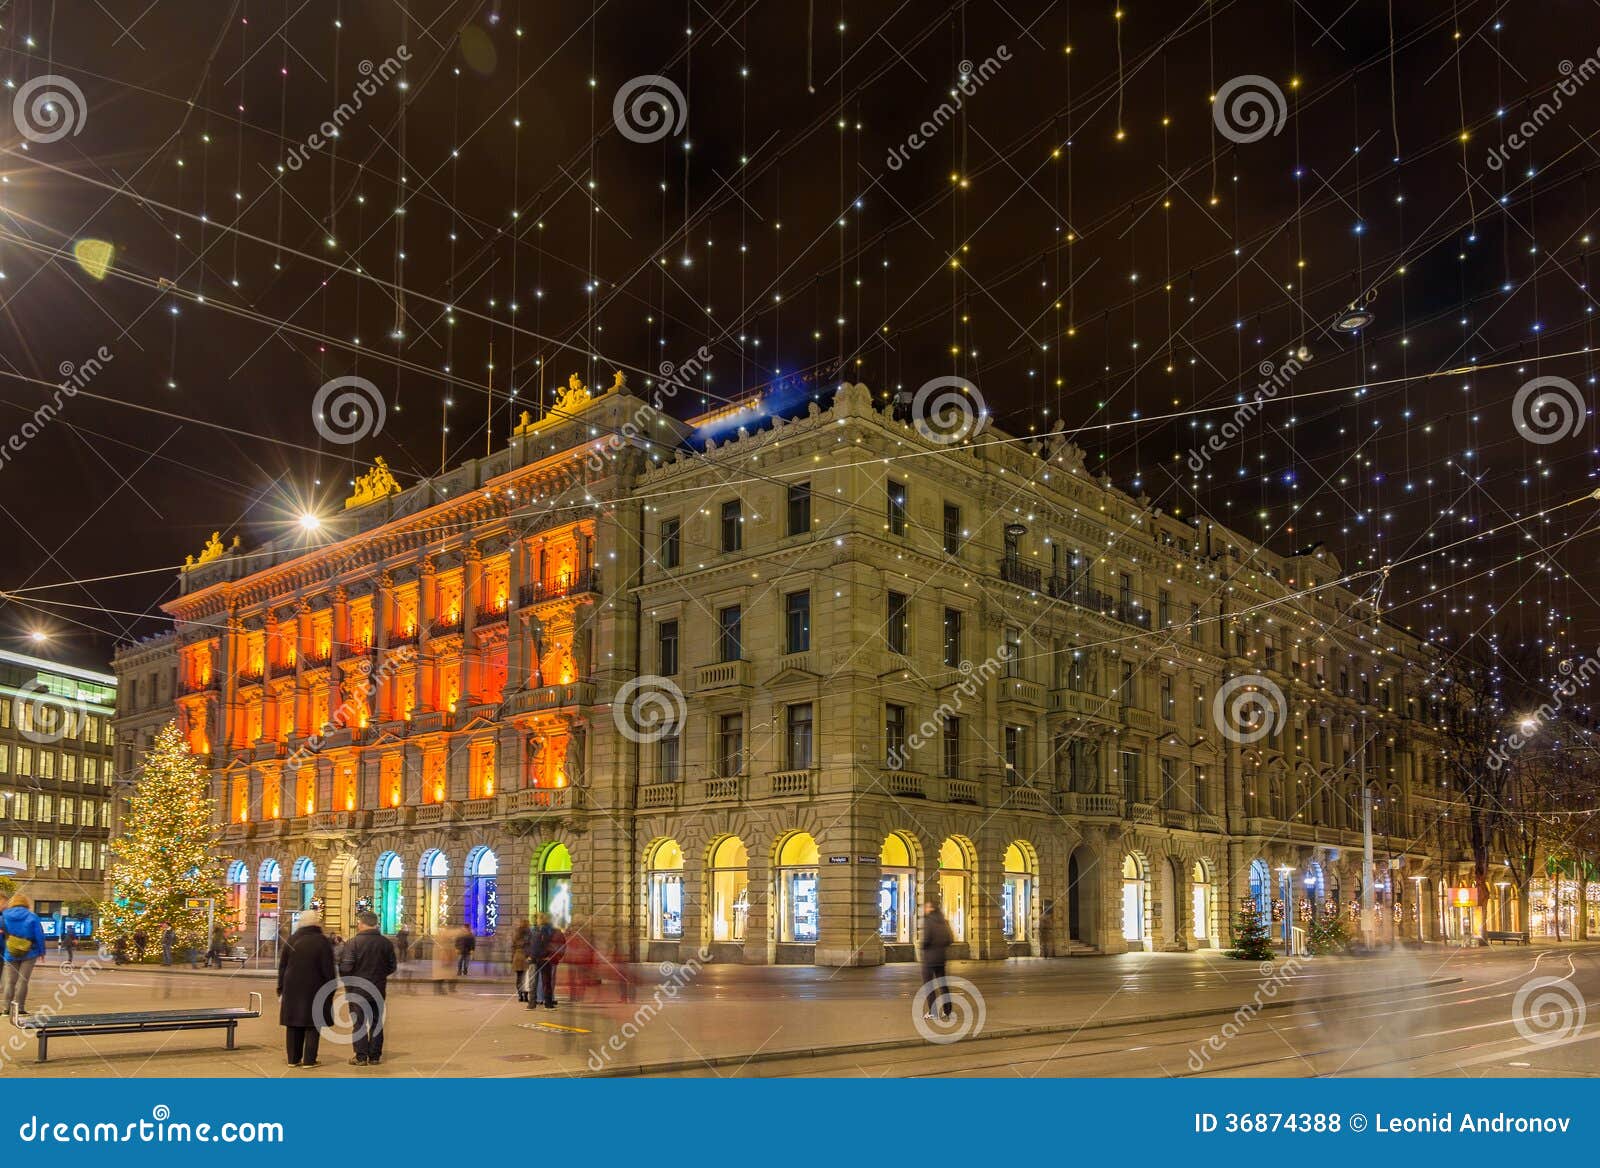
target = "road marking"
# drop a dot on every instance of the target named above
(553, 1026)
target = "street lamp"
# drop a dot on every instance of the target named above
(1284, 871)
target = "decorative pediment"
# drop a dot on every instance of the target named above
(790, 675)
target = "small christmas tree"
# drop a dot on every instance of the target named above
(1250, 940)
(164, 857)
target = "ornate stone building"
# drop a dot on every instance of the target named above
(764, 688)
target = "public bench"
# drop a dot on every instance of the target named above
(45, 1027)
(1508, 937)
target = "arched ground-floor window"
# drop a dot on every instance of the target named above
(483, 892)
(1200, 892)
(1133, 895)
(897, 896)
(390, 899)
(799, 899)
(665, 874)
(433, 892)
(730, 889)
(955, 884)
(1016, 893)
(554, 884)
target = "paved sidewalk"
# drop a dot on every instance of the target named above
(722, 1016)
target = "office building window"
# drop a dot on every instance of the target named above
(1128, 764)
(952, 637)
(671, 543)
(1169, 783)
(897, 508)
(797, 745)
(894, 736)
(897, 629)
(667, 758)
(729, 641)
(1169, 708)
(952, 747)
(1013, 636)
(1014, 739)
(667, 648)
(952, 529)
(732, 526)
(1163, 609)
(730, 745)
(1194, 624)
(799, 508)
(85, 854)
(797, 621)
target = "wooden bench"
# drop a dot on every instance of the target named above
(1493, 935)
(133, 1022)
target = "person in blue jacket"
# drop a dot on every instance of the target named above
(24, 945)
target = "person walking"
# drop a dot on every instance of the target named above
(366, 962)
(466, 943)
(141, 942)
(24, 945)
(305, 989)
(545, 949)
(69, 944)
(402, 945)
(169, 941)
(219, 947)
(937, 938)
(519, 958)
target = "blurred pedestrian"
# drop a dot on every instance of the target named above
(69, 944)
(402, 945)
(24, 945)
(519, 958)
(141, 942)
(366, 963)
(937, 937)
(219, 947)
(169, 940)
(443, 962)
(306, 976)
(466, 944)
(545, 950)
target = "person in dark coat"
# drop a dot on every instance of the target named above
(366, 962)
(519, 959)
(545, 949)
(465, 944)
(306, 977)
(937, 937)
(402, 945)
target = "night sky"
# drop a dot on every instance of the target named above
(1079, 232)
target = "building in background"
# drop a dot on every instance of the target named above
(760, 685)
(55, 785)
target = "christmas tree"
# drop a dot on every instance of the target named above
(165, 857)
(1250, 940)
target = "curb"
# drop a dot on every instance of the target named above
(771, 1056)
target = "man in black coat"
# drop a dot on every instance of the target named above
(937, 937)
(546, 945)
(366, 963)
(306, 981)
